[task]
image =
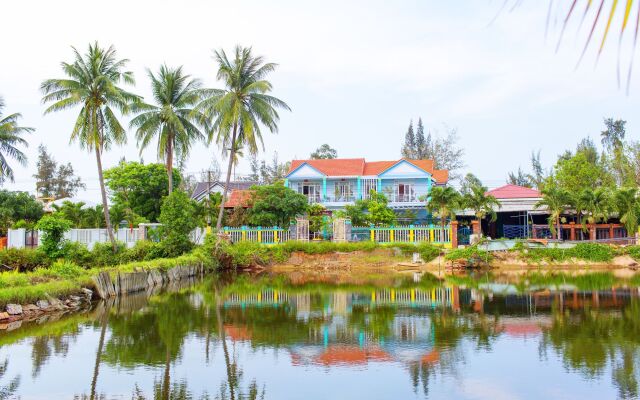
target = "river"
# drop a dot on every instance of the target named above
(327, 335)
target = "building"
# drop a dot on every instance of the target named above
(338, 182)
(202, 189)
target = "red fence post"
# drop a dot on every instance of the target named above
(454, 234)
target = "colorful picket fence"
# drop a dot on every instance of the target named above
(403, 234)
(257, 234)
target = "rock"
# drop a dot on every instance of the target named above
(4, 315)
(42, 304)
(4, 326)
(75, 299)
(30, 308)
(14, 309)
(14, 325)
(55, 303)
(88, 293)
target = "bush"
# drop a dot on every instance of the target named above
(77, 253)
(103, 255)
(24, 260)
(13, 279)
(61, 269)
(141, 251)
(468, 253)
(634, 252)
(179, 216)
(582, 251)
(53, 229)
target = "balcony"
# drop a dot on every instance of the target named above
(340, 199)
(314, 198)
(404, 198)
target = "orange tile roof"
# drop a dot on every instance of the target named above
(239, 198)
(360, 167)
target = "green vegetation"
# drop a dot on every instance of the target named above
(372, 211)
(276, 205)
(53, 229)
(18, 208)
(55, 181)
(10, 138)
(592, 252)
(179, 216)
(471, 253)
(634, 252)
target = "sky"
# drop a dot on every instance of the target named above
(353, 72)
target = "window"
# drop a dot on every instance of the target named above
(311, 190)
(405, 192)
(367, 186)
(344, 191)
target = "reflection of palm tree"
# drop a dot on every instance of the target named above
(8, 391)
(96, 368)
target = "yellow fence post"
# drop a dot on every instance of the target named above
(373, 234)
(393, 295)
(275, 236)
(413, 295)
(244, 234)
(431, 235)
(411, 234)
(391, 235)
(259, 235)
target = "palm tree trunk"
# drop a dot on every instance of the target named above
(170, 163)
(167, 376)
(226, 186)
(105, 205)
(558, 231)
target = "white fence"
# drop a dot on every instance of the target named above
(17, 238)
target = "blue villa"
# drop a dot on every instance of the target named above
(338, 182)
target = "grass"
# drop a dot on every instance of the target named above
(592, 252)
(469, 253)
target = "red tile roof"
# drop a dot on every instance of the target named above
(360, 167)
(239, 198)
(514, 192)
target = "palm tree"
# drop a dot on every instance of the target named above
(592, 206)
(238, 111)
(442, 202)
(482, 204)
(628, 206)
(92, 83)
(556, 201)
(10, 137)
(173, 120)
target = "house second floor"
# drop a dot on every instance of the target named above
(335, 183)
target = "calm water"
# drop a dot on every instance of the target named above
(337, 337)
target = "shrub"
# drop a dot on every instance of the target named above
(24, 260)
(179, 216)
(634, 252)
(102, 254)
(13, 279)
(77, 253)
(593, 252)
(53, 229)
(61, 269)
(468, 253)
(142, 250)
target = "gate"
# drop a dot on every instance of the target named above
(302, 229)
(31, 239)
(340, 230)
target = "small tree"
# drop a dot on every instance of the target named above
(324, 152)
(555, 200)
(276, 205)
(628, 206)
(442, 203)
(379, 211)
(482, 204)
(53, 228)
(178, 216)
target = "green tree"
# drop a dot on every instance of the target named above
(173, 120)
(138, 188)
(483, 205)
(317, 217)
(92, 83)
(10, 138)
(592, 206)
(443, 201)
(356, 213)
(242, 107)
(53, 181)
(378, 209)
(468, 182)
(556, 201)
(576, 173)
(72, 212)
(53, 228)
(409, 147)
(18, 206)
(276, 205)
(178, 216)
(519, 178)
(324, 152)
(627, 205)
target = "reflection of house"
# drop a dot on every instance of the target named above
(338, 182)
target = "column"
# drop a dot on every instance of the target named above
(324, 189)
(572, 232)
(454, 234)
(359, 184)
(379, 186)
(286, 182)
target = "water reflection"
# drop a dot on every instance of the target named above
(240, 337)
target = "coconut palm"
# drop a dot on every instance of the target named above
(627, 205)
(172, 120)
(238, 111)
(10, 138)
(483, 205)
(442, 202)
(92, 83)
(556, 201)
(592, 206)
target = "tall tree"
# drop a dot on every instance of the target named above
(10, 138)
(92, 83)
(409, 148)
(241, 108)
(519, 178)
(613, 135)
(324, 152)
(445, 152)
(421, 144)
(53, 181)
(173, 119)
(468, 182)
(592, 206)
